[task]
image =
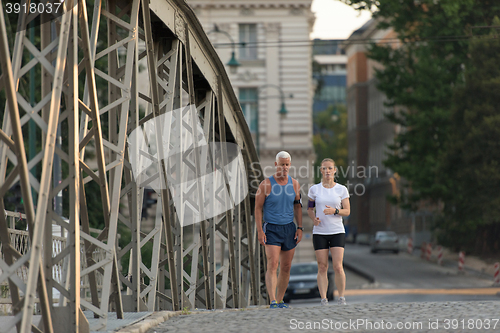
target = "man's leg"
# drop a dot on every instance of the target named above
(284, 276)
(273, 257)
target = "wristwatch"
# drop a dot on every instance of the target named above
(336, 211)
(300, 228)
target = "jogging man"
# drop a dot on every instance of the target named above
(276, 203)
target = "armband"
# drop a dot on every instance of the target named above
(298, 202)
(312, 204)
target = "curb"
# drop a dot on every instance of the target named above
(359, 271)
(154, 320)
(451, 263)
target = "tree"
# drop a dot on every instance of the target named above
(419, 77)
(444, 84)
(331, 140)
(472, 155)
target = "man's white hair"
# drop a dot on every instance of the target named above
(283, 154)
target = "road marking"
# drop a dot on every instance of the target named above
(468, 291)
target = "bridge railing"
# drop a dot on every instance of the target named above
(20, 241)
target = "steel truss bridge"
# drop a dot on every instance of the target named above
(175, 138)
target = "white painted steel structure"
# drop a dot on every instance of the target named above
(104, 42)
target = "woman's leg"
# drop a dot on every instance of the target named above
(322, 258)
(337, 258)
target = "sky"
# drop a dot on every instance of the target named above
(336, 20)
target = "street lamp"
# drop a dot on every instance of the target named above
(335, 114)
(233, 63)
(282, 111)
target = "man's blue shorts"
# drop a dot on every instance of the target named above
(281, 235)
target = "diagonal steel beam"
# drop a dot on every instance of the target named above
(229, 218)
(36, 272)
(156, 111)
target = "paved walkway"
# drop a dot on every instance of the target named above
(388, 317)
(462, 316)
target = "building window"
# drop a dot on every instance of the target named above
(333, 69)
(248, 36)
(249, 104)
(332, 94)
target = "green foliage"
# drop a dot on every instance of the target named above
(471, 158)
(441, 85)
(420, 77)
(23, 84)
(331, 140)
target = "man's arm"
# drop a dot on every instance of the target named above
(297, 211)
(260, 197)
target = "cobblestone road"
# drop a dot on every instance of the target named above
(385, 317)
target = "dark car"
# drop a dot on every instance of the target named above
(385, 241)
(303, 282)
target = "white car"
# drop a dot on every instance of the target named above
(385, 241)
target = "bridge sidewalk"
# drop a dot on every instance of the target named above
(375, 317)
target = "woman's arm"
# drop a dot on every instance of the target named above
(344, 211)
(346, 208)
(311, 213)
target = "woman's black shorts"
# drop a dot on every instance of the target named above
(322, 242)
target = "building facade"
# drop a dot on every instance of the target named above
(369, 133)
(271, 42)
(329, 73)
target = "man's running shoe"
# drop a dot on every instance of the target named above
(282, 305)
(273, 305)
(341, 301)
(324, 301)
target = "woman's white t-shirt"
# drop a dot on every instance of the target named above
(330, 224)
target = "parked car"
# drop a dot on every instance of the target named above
(385, 241)
(303, 282)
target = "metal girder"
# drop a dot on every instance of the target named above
(183, 134)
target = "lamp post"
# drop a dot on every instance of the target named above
(233, 63)
(282, 111)
(335, 114)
